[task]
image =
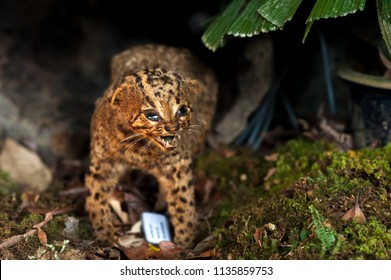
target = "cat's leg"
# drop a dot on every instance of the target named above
(176, 183)
(101, 182)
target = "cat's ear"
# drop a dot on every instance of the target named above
(118, 94)
(125, 98)
(123, 92)
(193, 88)
(113, 98)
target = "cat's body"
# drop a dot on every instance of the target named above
(152, 118)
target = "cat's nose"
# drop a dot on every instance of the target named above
(172, 128)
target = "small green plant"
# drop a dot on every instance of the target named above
(324, 232)
(53, 250)
(242, 18)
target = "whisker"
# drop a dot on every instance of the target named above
(196, 127)
(135, 137)
(130, 137)
(131, 144)
(196, 132)
(184, 144)
(145, 147)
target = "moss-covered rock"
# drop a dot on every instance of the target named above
(314, 184)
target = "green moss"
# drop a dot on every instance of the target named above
(313, 186)
(6, 184)
(28, 222)
(371, 240)
(227, 169)
(238, 177)
(295, 159)
(5, 226)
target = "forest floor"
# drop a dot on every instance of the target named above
(305, 200)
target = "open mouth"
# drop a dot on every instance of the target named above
(168, 141)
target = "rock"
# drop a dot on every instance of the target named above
(49, 80)
(254, 80)
(24, 166)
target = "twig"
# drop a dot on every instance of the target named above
(12, 241)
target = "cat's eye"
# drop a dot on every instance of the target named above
(152, 116)
(182, 111)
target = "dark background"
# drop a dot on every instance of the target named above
(55, 59)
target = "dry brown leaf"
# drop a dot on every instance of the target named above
(43, 239)
(168, 250)
(29, 199)
(270, 173)
(143, 250)
(136, 251)
(258, 236)
(207, 254)
(104, 254)
(205, 245)
(115, 204)
(355, 213)
(19, 238)
(271, 157)
(208, 187)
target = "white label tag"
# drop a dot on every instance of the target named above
(155, 227)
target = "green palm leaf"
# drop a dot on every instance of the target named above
(278, 12)
(384, 16)
(213, 37)
(324, 9)
(250, 22)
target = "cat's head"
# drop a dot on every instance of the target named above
(156, 104)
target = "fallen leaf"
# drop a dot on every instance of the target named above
(116, 206)
(207, 254)
(43, 239)
(104, 254)
(137, 251)
(270, 173)
(129, 241)
(258, 236)
(355, 213)
(271, 157)
(205, 245)
(136, 228)
(168, 251)
(153, 248)
(29, 199)
(208, 187)
(21, 237)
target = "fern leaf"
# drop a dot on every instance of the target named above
(325, 233)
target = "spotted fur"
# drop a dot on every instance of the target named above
(153, 117)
